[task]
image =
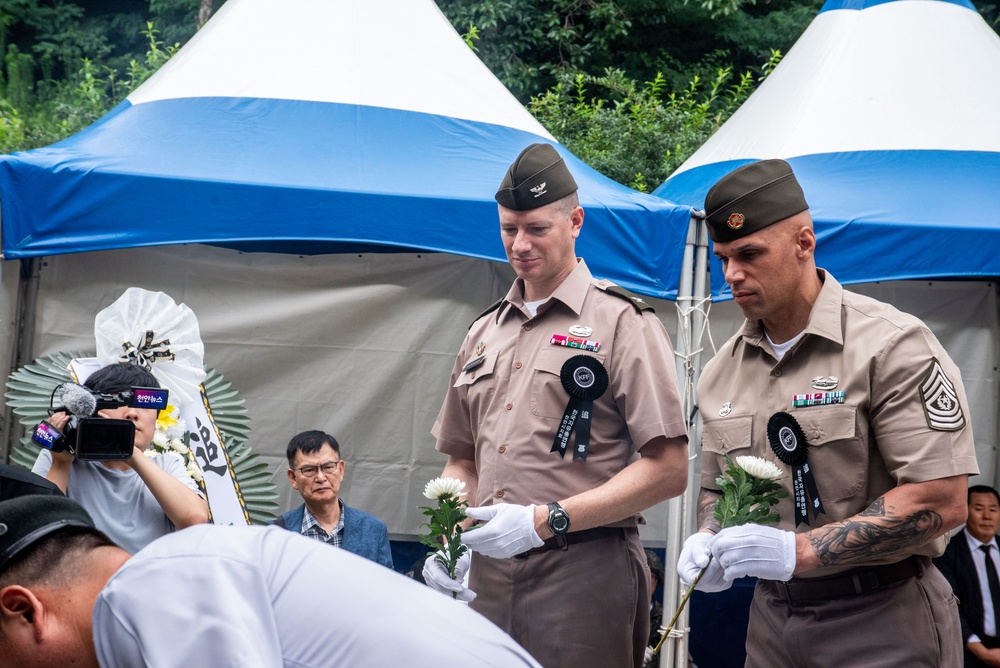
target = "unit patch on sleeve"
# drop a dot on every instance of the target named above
(940, 400)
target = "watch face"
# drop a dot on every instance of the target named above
(560, 523)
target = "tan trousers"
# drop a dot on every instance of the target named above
(587, 607)
(907, 624)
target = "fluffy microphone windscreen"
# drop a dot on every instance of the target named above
(78, 400)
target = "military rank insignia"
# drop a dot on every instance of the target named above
(940, 400)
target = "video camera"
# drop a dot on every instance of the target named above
(89, 436)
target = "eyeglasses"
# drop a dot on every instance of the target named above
(328, 469)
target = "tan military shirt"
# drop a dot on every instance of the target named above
(505, 412)
(904, 416)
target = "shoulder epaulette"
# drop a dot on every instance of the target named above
(493, 307)
(637, 302)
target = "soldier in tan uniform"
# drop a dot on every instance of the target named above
(866, 412)
(564, 419)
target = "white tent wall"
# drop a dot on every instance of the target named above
(965, 317)
(360, 346)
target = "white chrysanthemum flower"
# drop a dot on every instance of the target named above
(176, 431)
(150, 452)
(160, 439)
(440, 487)
(194, 471)
(758, 467)
(177, 445)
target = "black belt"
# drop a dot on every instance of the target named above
(850, 584)
(585, 536)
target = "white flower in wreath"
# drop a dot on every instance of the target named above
(168, 440)
(160, 439)
(194, 471)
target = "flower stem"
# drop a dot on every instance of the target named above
(673, 620)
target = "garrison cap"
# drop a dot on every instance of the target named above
(27, 519)
(752, 197)
(538, 177)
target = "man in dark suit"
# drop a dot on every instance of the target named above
(316, 470)
(971, 563)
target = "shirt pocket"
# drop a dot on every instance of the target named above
(728, 436)
(837, 455)
(481, 374)
(547, 397)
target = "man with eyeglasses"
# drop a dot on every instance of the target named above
(316, 471)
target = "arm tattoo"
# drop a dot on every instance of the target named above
(879, 535)
(706, 510)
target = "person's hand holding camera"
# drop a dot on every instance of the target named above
(59, 420)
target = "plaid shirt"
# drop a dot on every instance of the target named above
(312, 528)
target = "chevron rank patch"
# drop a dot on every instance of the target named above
(940, 400)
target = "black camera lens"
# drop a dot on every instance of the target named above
(104, 439)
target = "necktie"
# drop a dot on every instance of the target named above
(991, 576)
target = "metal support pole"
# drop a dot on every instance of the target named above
(674, 650)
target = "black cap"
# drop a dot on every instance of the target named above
(27, 519)
(537, 177)
(751, 198)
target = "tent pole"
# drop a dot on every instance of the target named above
(699, 319)
(692, 294)
(24, 339)
(674, 650)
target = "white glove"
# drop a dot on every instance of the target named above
(436, 576)
(509, 530)
(752, 549)
(696, 555)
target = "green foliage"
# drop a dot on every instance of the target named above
(531, 44)
(32, 116)
(527, 43)
(65, 63)
(471, 37)
(444, 532)
(635, 133)
(745, 498)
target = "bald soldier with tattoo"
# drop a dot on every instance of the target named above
(865, 412)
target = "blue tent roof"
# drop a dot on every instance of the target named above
(310, 130)
(886, 111)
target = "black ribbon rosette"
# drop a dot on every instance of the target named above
(584, 378)
(789, 444)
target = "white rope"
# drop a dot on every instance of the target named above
(686, 307)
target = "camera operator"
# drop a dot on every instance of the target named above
(136, 500)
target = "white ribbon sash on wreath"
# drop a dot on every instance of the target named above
(224, 498)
